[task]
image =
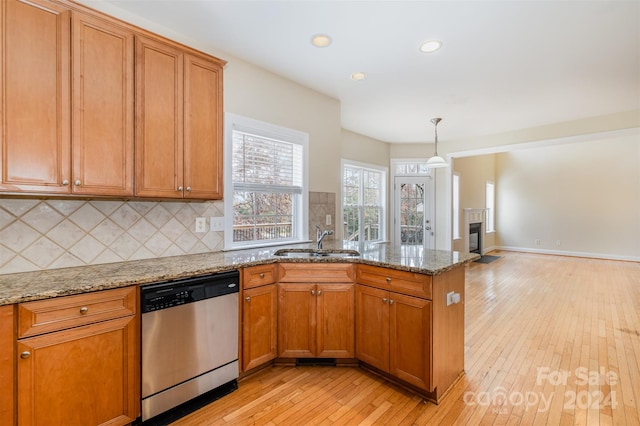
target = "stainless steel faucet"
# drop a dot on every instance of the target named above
(320, 234)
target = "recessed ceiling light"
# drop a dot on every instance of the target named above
(321, 40)
(430, 46)
(357, 76)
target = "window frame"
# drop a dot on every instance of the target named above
(384, 171)
(271, 131)
(455, 206)
(490, 220)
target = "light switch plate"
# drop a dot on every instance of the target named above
(217, 223)
(327, 220)
(201, 224)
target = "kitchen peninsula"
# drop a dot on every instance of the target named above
(404, 318)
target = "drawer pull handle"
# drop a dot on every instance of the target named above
(261, 274)
(84, 310)
(384, 300)
(248, 299)
(388, 279)
(25, 354)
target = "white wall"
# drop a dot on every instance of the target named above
(585, 195)
(474, 173)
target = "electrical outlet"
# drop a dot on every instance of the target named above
(453, 298)
(201, 224)
(217, 223)
(327, 220)
(558, 242)
(537, 242)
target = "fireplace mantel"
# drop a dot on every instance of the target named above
(474, 216)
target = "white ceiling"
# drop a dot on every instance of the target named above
(504, 65)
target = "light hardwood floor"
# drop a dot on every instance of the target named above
(549, 340)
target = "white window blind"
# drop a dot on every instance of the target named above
(261, 163)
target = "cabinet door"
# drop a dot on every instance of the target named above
(86, 375)
(36, 119)
(296, 320)
(202, 128)
(372, 326)
(336, 323)
(259, 326)
(159, 119)
(410, 339)
(102, 90)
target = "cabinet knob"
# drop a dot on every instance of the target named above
(313, 292)
(77, 182)
(188, 189)
(179, 188)
(65, 182)
(391, 301)
(319, 292)
(388, 279)
(84, 310)
(248, 299)
(25, 354)
(262, 275)
(384, 300)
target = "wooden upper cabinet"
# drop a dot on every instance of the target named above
(35, 103)
(202, 128)
(159, 114)
(64, 67)
(86, 98)
(178, 123)
(102, 87)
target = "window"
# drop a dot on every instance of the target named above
(363, 192)
(490, 205)
(268, 184)
(456, 206)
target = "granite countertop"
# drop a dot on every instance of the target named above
(26, 286)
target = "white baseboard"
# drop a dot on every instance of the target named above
(490, 249)
(568, 253)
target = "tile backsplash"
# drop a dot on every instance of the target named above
(46, 234)
(322, 204)
(40, 234)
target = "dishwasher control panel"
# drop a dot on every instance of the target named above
(174, 293)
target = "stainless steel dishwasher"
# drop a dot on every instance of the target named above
(189, 339)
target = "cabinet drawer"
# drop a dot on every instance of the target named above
(403, 282)
(316, 272)
(59, 313)
(256, 276)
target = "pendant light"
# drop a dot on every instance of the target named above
(436, 161)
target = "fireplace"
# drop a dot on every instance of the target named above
(475, 237)
(474, 228)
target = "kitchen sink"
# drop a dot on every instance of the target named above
(302, 252)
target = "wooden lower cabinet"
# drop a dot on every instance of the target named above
(316, 320)
(259, 326)
(394, 334)
(84, 375)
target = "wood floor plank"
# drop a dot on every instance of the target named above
(536, 326)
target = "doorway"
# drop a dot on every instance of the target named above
(413, 211)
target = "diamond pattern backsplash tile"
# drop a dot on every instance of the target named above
(49, 234)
